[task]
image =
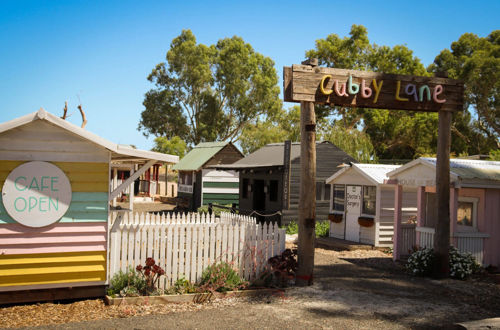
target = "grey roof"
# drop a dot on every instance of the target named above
(462, 169)
(270, 155)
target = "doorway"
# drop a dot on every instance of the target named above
(353, 211)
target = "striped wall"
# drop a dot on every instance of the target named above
(73, 250)
(220, 187)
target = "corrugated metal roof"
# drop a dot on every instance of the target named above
(472, 169)
(199, 155)
(377, 172)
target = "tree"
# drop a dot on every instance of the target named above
(353, 141)
(208, 93)
(285, 125)
(476, 61)
(392, 133)
(174, 146)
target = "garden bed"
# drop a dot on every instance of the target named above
(189, 297)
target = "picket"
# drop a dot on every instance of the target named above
(186, 244)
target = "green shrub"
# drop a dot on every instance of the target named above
(420, 262)
(221, 277)
(182, 286)
(322, 228)
(126, 283)
(292, 228)
(462, 265)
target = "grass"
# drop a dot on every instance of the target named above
(322, 228)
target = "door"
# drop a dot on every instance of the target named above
(353, 211)
(259, 197)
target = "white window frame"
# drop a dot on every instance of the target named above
(366, 215)
(332, 198)
(474, 201)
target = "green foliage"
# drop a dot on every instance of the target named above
(462, 265)
(420, 262)
(476, 61)
(322, 228)
(353, 141)
(292, 228)
(174, 146)
(127, 283)
(495, 154)
(208, 93)
(182, 286)
(221, 277)
(284, 125)
(382, 134)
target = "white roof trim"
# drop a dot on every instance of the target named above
(416, 162)
(113, 147)
(355, 167)
(337, 174)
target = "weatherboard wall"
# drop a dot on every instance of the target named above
(73, 250)
(220, 187)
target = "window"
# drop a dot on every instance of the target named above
(245, 188)
(369, 199)
(466, 212)
(338, 197)
(319, 191)
(327, 192)
(273, 190)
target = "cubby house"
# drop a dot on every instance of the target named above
(362, 204)
(263, 177)
(199, 184)
(474, 207)
(55, 179)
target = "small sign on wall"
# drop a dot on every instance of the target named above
(36, 194)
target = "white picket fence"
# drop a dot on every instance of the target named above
(470, 242)
(186, 244)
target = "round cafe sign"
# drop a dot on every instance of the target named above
(36, 194)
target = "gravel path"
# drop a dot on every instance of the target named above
(352, 290)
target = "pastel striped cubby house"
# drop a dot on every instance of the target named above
(72, 251)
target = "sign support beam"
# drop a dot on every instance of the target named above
(307, 201)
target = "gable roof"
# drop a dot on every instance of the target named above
(461, 170)
(199, 155)
(375, 173)
(270, 155)
(118, 152)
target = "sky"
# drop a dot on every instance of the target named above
(100, 53)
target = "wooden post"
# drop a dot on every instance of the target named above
(307, 201)
(442, 236)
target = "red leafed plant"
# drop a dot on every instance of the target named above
(151, 273)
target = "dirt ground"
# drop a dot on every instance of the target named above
(352, 290)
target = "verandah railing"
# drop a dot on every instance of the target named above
(186, 244)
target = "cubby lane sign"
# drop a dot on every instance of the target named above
(36, 194)
(366, 89)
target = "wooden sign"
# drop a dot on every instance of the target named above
(366, 89)
(36, 194)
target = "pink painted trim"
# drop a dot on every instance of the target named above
(82, 227)
(398, 203)
(420, 212)
(66, 237)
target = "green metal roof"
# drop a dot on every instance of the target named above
(199, 155)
